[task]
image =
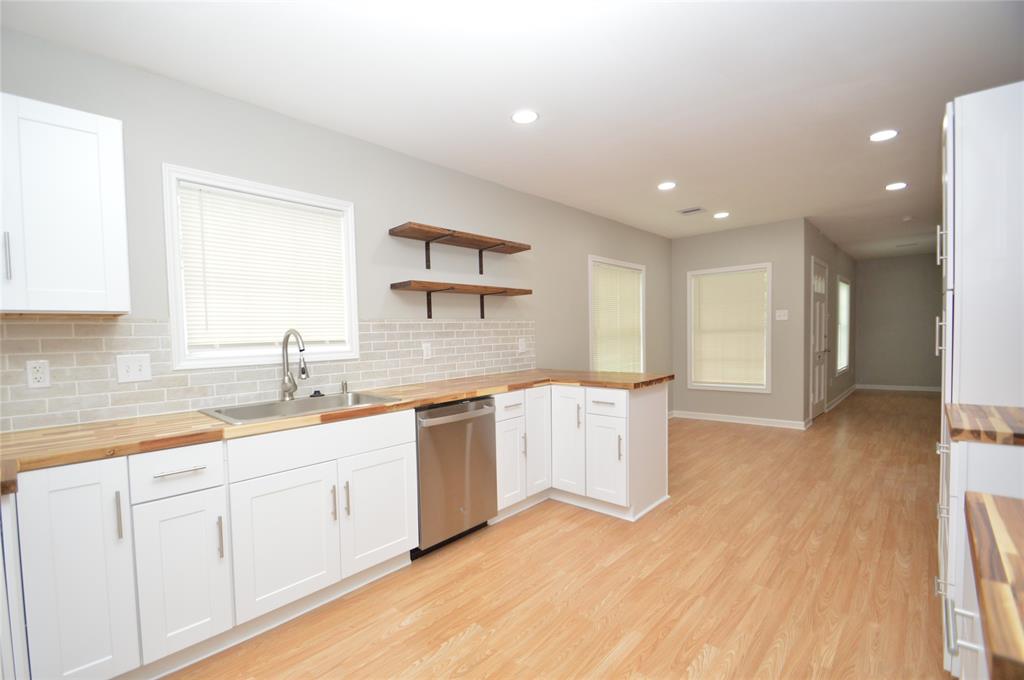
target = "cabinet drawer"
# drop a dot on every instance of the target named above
(509, 405)
(175, 471)
(607, 402)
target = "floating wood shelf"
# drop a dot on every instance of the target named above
(462, 239)
(431, 287)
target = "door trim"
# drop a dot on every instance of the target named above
(810, 354)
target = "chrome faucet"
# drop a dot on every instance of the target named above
(288, 385)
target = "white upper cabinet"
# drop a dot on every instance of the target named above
(568, 439)
(286, 537)
(64, 234)
(538, 439)
(379, 507)
(77, 569)
(184, 570)
(510, 454)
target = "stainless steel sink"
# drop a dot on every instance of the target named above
(250, 413)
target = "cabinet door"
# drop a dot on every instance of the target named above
(65, 234)
(568, 439)
(607, 459)
(538, 439)
(183, 570)
(380, 509)
(285, 537)
(78, 575)
(510, 453)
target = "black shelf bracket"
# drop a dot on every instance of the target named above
(426, 248)
(480, 256)
(483, 295)
(430, 304)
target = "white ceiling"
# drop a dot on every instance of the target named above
(761, 109)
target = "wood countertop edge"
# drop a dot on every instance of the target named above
(10, 466)
(1002, 619)
(985, 424)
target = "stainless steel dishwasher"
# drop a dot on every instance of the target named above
(457, 472)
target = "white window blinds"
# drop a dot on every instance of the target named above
(729, 329)
(843, 327)
(251, 266)
(616, 316)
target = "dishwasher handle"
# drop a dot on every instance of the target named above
(466, 415)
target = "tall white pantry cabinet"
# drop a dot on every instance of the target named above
(980, 335)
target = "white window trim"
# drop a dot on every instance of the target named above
(252, 356)
(849, 340)
(591, 260)
(725, 387)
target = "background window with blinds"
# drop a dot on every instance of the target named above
(248, 261)
(730, 332)
(842, 326)
(616, 315)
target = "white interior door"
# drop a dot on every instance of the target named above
(819, 336)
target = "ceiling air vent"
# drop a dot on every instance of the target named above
(691, 211)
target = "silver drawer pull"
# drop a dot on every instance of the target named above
(161, 475)
(605, 403)
(517, 405)
(220, 536)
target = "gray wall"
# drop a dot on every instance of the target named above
(896, 302)
(839, 264)
(782, 244)
(168, 121)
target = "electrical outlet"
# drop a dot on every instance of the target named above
(133, 368)
(426, 350)
(522, 345)
(782, 315)
(37, 373)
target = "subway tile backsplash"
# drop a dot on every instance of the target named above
(83, 380)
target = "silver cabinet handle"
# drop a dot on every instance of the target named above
(8, 270)
(348, 501)
(578, 409)
(196, 468)
(599, 401)
(524, 443)
(220, 536)
(516, 405)
(120, 514)
(334, 500)
(939, 323)
(620, 447)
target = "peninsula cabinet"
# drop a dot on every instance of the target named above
(379, 506)
(607, 459)
(77, 570)
(65, 246)
(568, 440)
(286, 537)
(184, 570)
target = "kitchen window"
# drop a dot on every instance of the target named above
(730, 333)
(616, 315)
(842, 325)
(247, 261)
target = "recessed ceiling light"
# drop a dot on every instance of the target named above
(720, 215)
(896, 186)
(666, 186)
(883, 135)
(907, 218)
(525, 116)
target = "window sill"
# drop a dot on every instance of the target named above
(273, 357)
(715, 387)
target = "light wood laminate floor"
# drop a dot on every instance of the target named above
(781, 554)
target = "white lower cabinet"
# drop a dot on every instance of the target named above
(538, 439)
(568, 439)
(286, 538)
(379, 500)
(184, 571)
(77, 569)
(510, 454)
(607, 459)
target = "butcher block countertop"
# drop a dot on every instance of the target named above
(49, 447)
(995, 526)
(986, 424)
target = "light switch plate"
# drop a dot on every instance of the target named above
(782, 315)
(133, 368)
(37, 373)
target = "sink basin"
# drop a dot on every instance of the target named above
(269, 410)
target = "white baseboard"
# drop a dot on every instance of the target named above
(629, 514)
(742, 420)
(838, 400)
(899, 388)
